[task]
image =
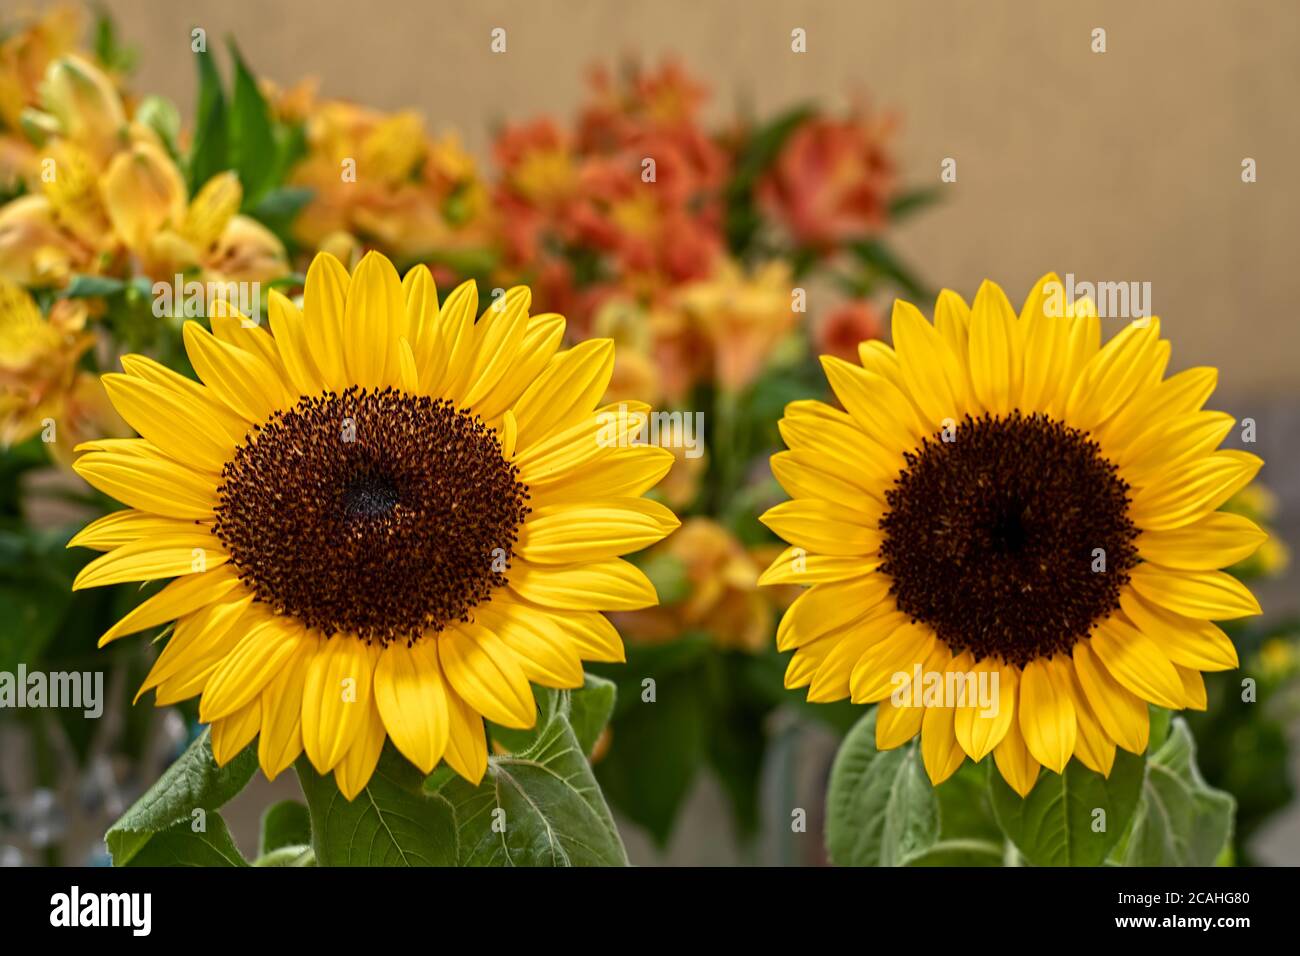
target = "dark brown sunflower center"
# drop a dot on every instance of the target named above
(375, 513)
(1010, 539)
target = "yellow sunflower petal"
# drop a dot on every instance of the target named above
(233, 733)
(1121, 713)
(412, 701)
(183, 596)
(281, 740)
(1187, 641)
(896, 725)
(374, 316)
(1046, 712)
(466, 740)
(259, 656)
(1137, 662)
(1092, 746)
(1214, 541)
(240, 379)
(1189, 492)
(593, 530)
(995, 350)
(1016, 764)
(823, 527)
(291, 338)
(610, 585)
(177, 424)
(566, 390)
(151, 559)
(486, 674)
(324, 301)
(336, 699)
(979, 729)
(151, 483)
(1209, 595)
(353, 772)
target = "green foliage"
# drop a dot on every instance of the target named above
(537, 806)
(1180, 820)
(1073, 818)
(237, 130)
(176, 822)
(284, 824)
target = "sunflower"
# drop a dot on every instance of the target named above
(1005, 501)
(384, 519)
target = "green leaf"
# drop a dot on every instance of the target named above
(1160, 720)
(590, 708)
(92, 287)
(759, 152)
(880, 807)
(1058, 823)
(193, 783)
(1181, 820)
(253, 147)
(541, 807)
(279, 207)
(391, 822)
(109, 50)
(959, 853)
(181, 845)
(906, 203)
(537, 807)
(286, 823)
(210, 150)
(161, 116)
(879, 260)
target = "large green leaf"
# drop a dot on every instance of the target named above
(1059, 823)
(590, 708)
(392, 822)
(186, 796)
(1180, 820)
(183, 845)
(539, 806)
(880, 807)
(253, 147)
(210, 150)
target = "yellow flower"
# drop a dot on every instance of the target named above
(744, 317)
(384, 518)
(34, 249)
(1003, 496)
(382, 179)
(26, 54)
(144, 194)
(146, 199)
(41, 389)
(86, 106)
(722, 599)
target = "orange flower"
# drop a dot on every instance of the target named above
(721, 591)
(831, 181)
(839, 331)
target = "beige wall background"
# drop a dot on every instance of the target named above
(1117, 166)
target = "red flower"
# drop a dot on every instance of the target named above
(831, 181)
